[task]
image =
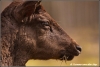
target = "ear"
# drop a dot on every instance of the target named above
(39, 9)
(28, 7)
(25, 9)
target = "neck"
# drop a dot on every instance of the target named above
(12, 52)
(12, 55)
(20, 59)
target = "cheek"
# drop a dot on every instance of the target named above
(46, 38)
(47, 42)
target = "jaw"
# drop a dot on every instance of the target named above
(63, 57)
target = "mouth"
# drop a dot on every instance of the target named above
(67, 58)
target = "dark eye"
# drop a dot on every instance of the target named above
(45, 23)
(47, 26)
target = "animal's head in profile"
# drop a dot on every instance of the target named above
(35, 34)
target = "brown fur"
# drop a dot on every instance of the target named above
(28, 32)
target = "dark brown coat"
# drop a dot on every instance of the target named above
(28, 32)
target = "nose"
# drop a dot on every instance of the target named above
(79, 48)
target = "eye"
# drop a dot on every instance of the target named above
(45, 23)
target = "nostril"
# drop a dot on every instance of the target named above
(78, 48)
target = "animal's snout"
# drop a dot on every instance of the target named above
(79, 49)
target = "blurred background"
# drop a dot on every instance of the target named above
(80, 19)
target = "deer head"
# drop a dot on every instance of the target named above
(35, 34)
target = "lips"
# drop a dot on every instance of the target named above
(78, 52)
(79, 49)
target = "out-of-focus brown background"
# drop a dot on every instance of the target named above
(80, 19)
